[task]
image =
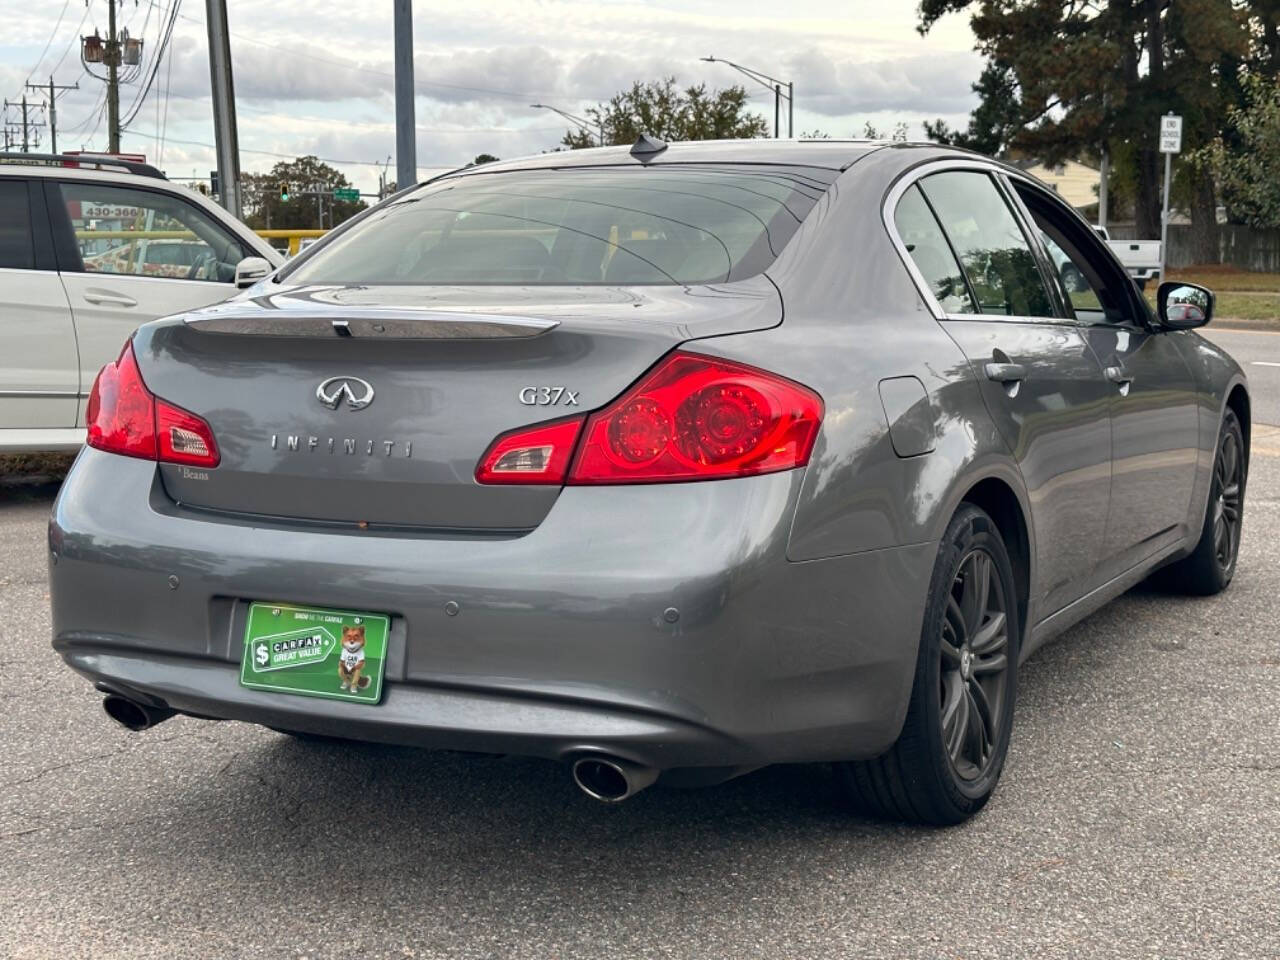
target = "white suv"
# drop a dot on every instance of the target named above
(91, 247)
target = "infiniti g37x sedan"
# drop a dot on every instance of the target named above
(667, 462)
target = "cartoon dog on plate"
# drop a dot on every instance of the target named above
(351, 659)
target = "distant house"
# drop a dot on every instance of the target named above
(1075, 182)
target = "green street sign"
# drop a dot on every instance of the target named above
(347, 193)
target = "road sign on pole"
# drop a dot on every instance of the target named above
(1170, 143)
(348, 194)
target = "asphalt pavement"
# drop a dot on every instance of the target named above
(1258, 352)
(1139, 814)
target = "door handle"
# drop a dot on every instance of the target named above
(1120, 377)
(1118, 374)
(1006, 372)
(101, 297)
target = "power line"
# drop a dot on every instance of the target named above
(75, 39)
(155, 63)
(52, 33)
(282, 156)
(164, 122)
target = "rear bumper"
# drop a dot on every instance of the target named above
(51, 440)
(562, 641)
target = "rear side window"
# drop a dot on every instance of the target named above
(994, 252)
(148, 233)
(15, 226)
(663, 224)
(928, 247)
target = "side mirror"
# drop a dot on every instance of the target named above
(250, 270)
(1183, 306)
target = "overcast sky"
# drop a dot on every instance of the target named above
(316, 77)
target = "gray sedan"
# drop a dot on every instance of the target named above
(668, 462)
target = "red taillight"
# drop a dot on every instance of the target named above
(184, 437)
(699, 418)
(534, 455)
(125, 417)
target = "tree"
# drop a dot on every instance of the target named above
(665, 111)
(311, 183)
(483, 158)
(995, 120)
(899, 134)
(1247, 159)
(1078, 76)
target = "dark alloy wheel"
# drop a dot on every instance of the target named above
(948, 758)
(1228, 483)
(974, 665)
(1211, 565)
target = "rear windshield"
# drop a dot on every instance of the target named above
(664, 224)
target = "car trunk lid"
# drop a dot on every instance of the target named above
(282, 380)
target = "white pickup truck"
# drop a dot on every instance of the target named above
(1141, 258)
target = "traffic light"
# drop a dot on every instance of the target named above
(213, 183)
(284, 193)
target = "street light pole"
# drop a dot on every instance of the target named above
(406, 142)
(769, 83)
(583, 125)
(225, 138)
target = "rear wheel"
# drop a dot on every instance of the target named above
(948, 758)
(1212, 564)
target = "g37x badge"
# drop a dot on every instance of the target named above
(548, 396)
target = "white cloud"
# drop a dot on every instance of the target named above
(317, 77)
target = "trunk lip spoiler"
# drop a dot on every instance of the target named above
(389, 323)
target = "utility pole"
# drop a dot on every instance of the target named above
(225, 138)
(52, 107)
(406, 144)
(113, 81)
(117, 50)
(26, 123)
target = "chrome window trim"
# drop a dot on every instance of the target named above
(942, 165)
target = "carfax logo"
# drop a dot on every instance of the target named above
(294, 649)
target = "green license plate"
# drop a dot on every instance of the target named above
(338, 654)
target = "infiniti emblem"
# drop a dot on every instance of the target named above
(359, 393)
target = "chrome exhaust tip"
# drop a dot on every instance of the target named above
(132, 714)
(610, 779)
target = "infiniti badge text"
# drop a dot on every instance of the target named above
(347, 445)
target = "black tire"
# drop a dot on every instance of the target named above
(1211, 565)
(940, 776)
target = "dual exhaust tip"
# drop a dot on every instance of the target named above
(133, 714)
(611, 779)
(607, 779)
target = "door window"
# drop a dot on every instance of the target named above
(1096, 287)
(994, 252)
(933, 257)
(15, 226)
(1080, 293)
(121, 230)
